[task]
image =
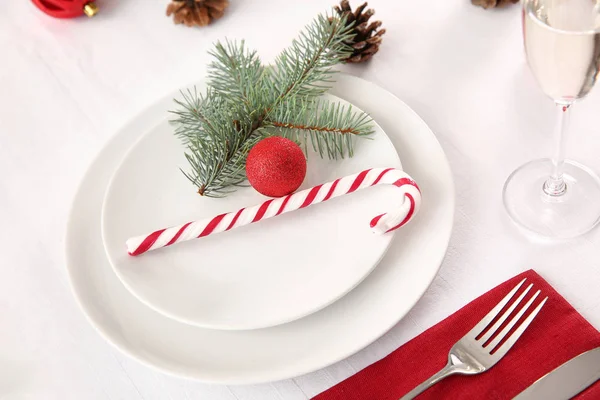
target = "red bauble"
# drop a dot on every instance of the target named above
(67, 8)
(276, 166)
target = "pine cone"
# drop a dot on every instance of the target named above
(367, 38)
(196, 12)
(493, 3)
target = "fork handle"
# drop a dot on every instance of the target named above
(448, 370)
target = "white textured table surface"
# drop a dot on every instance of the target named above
(66, 86)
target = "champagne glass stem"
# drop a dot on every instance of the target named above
(555, 185)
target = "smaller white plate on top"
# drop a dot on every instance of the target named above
(261, 275)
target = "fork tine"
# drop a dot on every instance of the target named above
(502, 350)
(504, 316)
(519, 331)
(477, 329)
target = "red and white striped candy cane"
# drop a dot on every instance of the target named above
(411, 201)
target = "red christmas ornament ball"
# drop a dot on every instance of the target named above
(276, 166)
(67, 8)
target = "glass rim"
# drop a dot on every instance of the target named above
(594, 31)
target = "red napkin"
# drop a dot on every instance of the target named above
(556, 335)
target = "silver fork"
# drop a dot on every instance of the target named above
(472, 355)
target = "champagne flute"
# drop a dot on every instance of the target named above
(555, 197)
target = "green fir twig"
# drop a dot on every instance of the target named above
(246, 101)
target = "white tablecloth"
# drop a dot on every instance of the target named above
(66, 86)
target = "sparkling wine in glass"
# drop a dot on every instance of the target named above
(557, 197)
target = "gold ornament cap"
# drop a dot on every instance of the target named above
(90, 9)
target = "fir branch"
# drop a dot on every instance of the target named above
(330, 127)
(218, 138)
(305, 68)
(237, 74)
(190, 115)
(220, 127)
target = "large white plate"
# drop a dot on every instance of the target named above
(302, 346)
(261, 275)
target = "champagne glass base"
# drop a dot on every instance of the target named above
(569, 215)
